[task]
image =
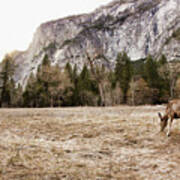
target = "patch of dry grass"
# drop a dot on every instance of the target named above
(87, 143)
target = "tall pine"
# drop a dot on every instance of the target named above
(151, 72)
(6, 76)
(123, 73)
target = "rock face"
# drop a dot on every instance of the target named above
(139, 27)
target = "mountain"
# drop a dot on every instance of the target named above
(139, 27)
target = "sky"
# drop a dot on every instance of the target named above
(20, 18)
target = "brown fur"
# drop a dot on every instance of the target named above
(172, 112)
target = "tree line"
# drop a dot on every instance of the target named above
(146, 81)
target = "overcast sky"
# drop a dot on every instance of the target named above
(20, 18)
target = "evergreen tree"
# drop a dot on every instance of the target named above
(18, 96)
(85, 78)
(86, 86)
(45, 61)
(112, 79)
(165, 80)
(30, 95)
(50, 88)
(151, 72)
(43, 82)
(69, 70)
(123, 73)
(74, 80)
(156, 75)
(12, 90)
(6, 79)
(162, 61)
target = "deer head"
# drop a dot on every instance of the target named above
(163, 121)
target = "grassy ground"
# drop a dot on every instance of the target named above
(87, 143)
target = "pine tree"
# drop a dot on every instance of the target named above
(30, 95)
(18, 96)
(85, 78)
(163, 60)
(50, 87)
(123, 72)
(156, 75)
(68, 69)
(75, 89)
(87, 91)
(43, 82)
(165, 80)
(151, 72)
(6, 77)
(45, 61)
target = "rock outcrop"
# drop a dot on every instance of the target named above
(139, 27)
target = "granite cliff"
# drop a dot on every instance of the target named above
(139, 27)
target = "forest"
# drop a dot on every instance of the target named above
(145, 81)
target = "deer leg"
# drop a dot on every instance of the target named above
(169, 126)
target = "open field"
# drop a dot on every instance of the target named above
(87, 144)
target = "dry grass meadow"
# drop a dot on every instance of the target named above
(87, 144)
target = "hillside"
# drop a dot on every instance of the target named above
(137, 27)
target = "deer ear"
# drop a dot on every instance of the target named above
(160, 116)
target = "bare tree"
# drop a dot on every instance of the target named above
(173, 76)
(99, 76)
(96, 59)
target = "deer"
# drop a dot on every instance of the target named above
(172, 112)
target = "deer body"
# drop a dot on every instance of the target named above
(172, 112)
